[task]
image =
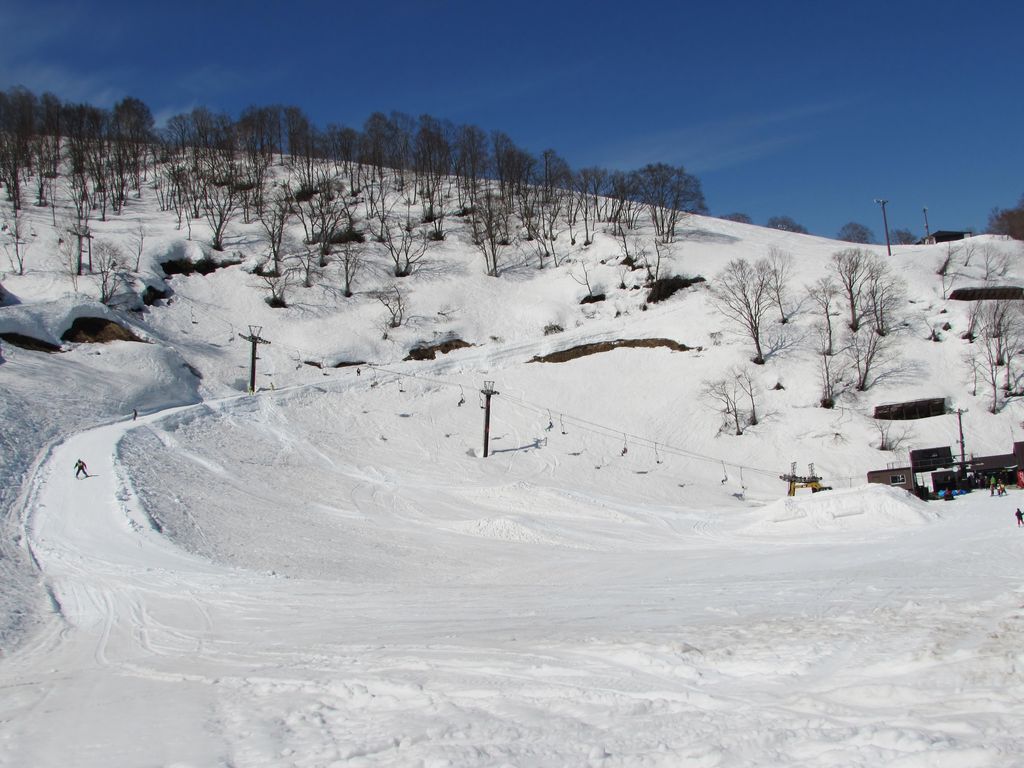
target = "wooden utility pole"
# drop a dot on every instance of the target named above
(254, 339)
(488, 391)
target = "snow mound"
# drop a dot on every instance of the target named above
(502, 528)
(865, 507)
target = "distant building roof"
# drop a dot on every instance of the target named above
(988, 463)
(944, 236)
(929, 459)
(914, 409)
(987, 293)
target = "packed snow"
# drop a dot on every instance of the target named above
(328, 572)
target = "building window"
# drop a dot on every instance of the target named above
(897, 479)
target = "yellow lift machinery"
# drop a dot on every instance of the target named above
(810, 480)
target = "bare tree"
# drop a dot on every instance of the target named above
(851, 269)
(405, 244)
(825, 295)
(394, 303)
(780, 273)
(662, 251)
(947, 260)
(321, 208)
(985, 353)
(432, 154)
(947, 271)
(947, 281)
(870, 354)
(71, 259)
(330, 213)
(751, 387)
(786, 224)
(739, 217)
(220, 204)
(273, 218)
(472, 160)
(855, 232)
(306, 262)
(742, 294)
(884, 296)
(350, 262)
(555, 199)
(1008, 221)
(109, 269)
(669, 194)
(15, 244)
(1000, 328)
(974, 312)
(725, 393)
(994, 263)
(491, 230)
(584, 280)
(1000, 320)
(587, 187)
(970, 358)
(77, 188)
(831, 367)
(17, 126)
(137, 240)
(891, 437)
(625, 205)
(1013, 340)
(633, 248)
(968, 250)
(278, 284)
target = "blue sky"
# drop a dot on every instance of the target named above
(805, 109)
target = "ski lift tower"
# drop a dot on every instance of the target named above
(488, 391)
(254, 339)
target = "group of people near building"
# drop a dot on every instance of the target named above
(996, 487)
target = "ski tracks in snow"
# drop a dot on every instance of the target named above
(165, 658)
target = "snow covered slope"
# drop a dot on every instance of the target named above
(330, 573)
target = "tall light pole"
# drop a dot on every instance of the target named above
(926, 231)
(885, 223)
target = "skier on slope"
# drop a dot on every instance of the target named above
(80, 469)
(1020, 517)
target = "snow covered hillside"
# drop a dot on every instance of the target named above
(329, 572)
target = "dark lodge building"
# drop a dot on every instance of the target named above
(944, 236)
(935, 470)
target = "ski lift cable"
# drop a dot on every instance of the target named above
(611, 431)
(585, 424)
(563, 418)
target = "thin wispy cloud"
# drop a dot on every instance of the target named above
(720, 144)
(68, 85)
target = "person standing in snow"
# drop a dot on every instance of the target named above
(80, 469)
(1020, 517)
